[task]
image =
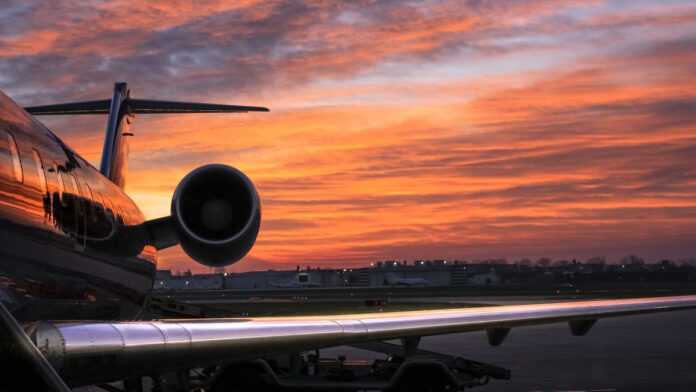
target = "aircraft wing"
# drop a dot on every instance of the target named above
(98, 352)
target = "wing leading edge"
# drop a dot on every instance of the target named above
(97, 352)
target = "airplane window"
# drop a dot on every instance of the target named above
(99, 201)
(69, 189)
(61, 184)
(73, 182)
(78, 194)
(89, 193)
(91, 200)
(109, 208)
(40, 171)
(16, 163)
(5, 155)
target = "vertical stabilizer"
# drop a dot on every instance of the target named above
(114, 161)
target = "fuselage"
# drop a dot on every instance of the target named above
(71, 241)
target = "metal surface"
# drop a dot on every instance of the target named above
(70, 249)
(115, 151)
(140, 106)
(25, 355)
(496, 336)
(236, 208)
(102, 351)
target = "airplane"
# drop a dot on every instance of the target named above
(78, 261)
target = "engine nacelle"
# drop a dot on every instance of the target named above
(217, 213)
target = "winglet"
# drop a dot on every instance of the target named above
(86, 107)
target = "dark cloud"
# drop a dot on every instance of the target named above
(239, 49)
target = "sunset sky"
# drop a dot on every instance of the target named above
(424, 129)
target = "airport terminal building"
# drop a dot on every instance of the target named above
(387, 273)
(433, 273)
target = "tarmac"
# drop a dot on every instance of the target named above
(653, 352)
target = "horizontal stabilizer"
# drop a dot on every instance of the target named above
(140, 106)
(146, 106)
(86, 107)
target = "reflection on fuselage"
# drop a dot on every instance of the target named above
(72, 242)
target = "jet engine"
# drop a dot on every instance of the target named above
(216, 214)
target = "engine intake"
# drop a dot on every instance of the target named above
(217, 213)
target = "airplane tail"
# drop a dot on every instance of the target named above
(121, 109)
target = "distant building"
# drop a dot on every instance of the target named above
(408, 276)
(484, 279)
(166, 281)
(435, 273)
(285, 279)
(299, 280)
